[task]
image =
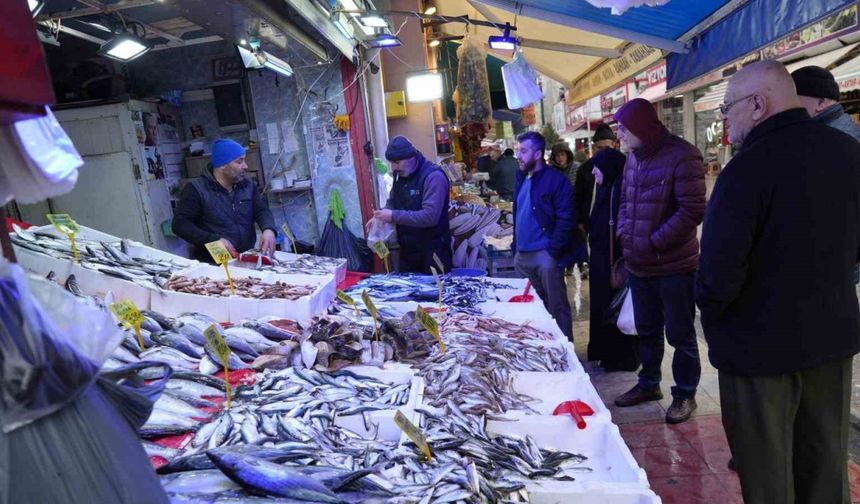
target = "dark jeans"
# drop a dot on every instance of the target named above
(789, 434)
(667, 301)
(548, 280)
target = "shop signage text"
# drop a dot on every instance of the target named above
(636, 58)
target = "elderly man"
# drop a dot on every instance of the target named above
(819, 95)
(662, 204)
(779, 309)
(543, 228)
(418, 205)
(224, 205)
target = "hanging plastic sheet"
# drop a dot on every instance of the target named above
(521, 87)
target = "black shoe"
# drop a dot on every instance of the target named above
(680, 410)
(638, 395)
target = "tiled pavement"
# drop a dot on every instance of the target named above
(685, 463)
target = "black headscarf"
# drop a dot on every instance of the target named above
(610, 162)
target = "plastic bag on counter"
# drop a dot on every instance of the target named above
(473, 85)
(89, 451)
(51, 347)
(521, 87)
(39, 160)
(378, 230)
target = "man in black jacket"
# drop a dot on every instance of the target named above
(224, 205)
(779, 308)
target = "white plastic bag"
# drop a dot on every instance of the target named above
(626, 318)
(39, 160)
(378, 231)
(521, 86)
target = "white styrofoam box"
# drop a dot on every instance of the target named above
(388, 430)
(612, 465)
(84, 233)
(96, 283)
(515, 312)
(137, 249)
(339, 272)
(42, 264)
(235, 308)
(545, 494)
(551, 389)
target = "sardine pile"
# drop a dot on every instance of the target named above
(303, 264)
(245, 287)
(112, 259)
(478, 325)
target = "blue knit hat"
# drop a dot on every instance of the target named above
(400, 148)
(224, 151)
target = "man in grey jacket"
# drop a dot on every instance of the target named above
(819, 95)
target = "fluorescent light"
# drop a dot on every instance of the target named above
(383, 40)
(423, 87)
(429, 11)
(277, 65)
(35, 6)
(250, 59)
(125, 47)
(373, 21)
(261, 59)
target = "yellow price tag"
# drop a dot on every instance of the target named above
(413, 433)
(371, 308)
(431, 325)
(438, 284)
(219, 253)
(439, 263)
(289, 234)
(216, 341)
(129, 315)
(65, 224)
(346, 298)
(382, 251)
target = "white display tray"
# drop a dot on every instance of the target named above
(551, 389)
(612, 465)
(235, 308)
(339, 272)
(515, 312)
(547, 495)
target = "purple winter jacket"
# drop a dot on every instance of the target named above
(662, 203)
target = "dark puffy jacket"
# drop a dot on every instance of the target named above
(552, 200)
(663, 201)
(207, 212)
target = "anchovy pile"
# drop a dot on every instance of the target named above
(302, 264)
(112, 259)
(459, 293)
(248, 287)
(479, 325)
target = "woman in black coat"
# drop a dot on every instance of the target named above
(615, 351)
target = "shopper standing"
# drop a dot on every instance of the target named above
(504, 177)
(778, 306)
(583, 189)
(663, 201)
(614, 350)
(543, 227)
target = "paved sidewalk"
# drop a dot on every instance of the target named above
(685, 463)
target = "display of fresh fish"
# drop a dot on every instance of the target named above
(248, 287)
(260, 476)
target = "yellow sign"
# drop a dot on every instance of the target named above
(383, 253)
(413, 433)
(219, 253)
(346, 298)
(65, 224)
(289, 234)
(371, 308)
(438, 284)
(636, 58)
(216, 341)
(431, 325)
(129, 315)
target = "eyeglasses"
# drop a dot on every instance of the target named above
(725, 107)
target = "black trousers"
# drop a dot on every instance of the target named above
(419, 261)
(789, 434)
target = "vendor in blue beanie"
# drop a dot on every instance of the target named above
(418, 206)
(223, 205)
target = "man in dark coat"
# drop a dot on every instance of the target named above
(543, 227)
(614, 350)
(418, 205)
(774, 287)
(662, 204)
(223, 205)
(503, 179)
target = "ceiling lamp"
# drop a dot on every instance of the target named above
(373, 21)
(503, 42)
(424, 87)
(429, 11)
(383, 40)
(125, 47)
(257, 58)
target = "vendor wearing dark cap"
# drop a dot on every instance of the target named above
(819, 95)
(223, 205)
(418, 206)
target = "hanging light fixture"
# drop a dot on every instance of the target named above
(503, 42)
(373, 21)
(383, 40)
(424, 86)
(125, 46)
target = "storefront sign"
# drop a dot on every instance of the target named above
(636, 58)
(849, 84)
(826, 29)
(612, 101)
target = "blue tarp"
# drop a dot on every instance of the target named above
(750, 27)
(668, 21)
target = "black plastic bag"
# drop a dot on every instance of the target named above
(336, 242)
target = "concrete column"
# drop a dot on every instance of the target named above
(689, 118)
(375, 94)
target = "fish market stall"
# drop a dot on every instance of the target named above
(294, 264)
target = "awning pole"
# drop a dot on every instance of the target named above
(588, 127)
